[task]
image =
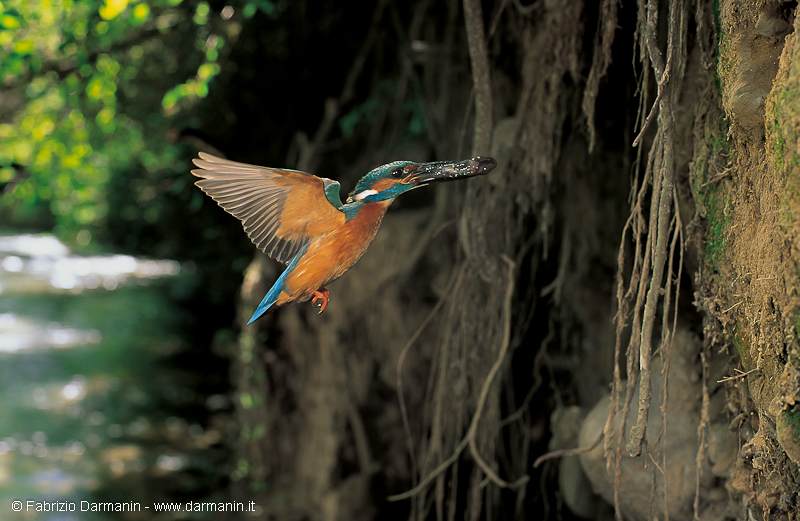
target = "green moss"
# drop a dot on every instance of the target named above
(710, 157)
(715, 8)
(718, 224)
(723, 44)
(784, 108)
(706, 188)
(778, 144)
(743, 348)
(788, 429)
(792, 419)
(783, 115)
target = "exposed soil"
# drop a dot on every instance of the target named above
(751, 285)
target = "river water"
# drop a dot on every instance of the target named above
(103, 405)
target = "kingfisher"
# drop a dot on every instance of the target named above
(299, 219)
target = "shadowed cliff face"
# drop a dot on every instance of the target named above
(325, 435)
(754, 39)
(749, 279)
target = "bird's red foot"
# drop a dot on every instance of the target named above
(322, 294)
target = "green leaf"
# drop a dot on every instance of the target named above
(7, 174)
(9, 21)
(141, 13)
(201, 13)
(24, 47)
(112, 8)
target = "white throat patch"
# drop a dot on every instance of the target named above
(361, 195)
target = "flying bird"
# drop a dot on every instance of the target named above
(299, 219)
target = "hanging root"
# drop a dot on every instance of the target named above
(470, 439)
(600, 62)
(655, 245)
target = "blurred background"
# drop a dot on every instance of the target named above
(118, 278)
(476, 334)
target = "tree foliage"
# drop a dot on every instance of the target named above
(91, 89)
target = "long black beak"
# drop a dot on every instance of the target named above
(425, 173)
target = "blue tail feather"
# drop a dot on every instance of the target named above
(275, 290)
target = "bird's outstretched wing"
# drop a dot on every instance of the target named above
(279, 209)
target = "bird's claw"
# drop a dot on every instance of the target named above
(323, 295)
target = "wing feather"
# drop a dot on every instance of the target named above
(259, 196)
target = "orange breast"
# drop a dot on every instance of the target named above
(330, 255)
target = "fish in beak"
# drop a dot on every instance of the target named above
(425, 173)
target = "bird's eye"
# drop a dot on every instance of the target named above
(397, 172)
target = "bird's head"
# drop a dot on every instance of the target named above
(390, 180)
